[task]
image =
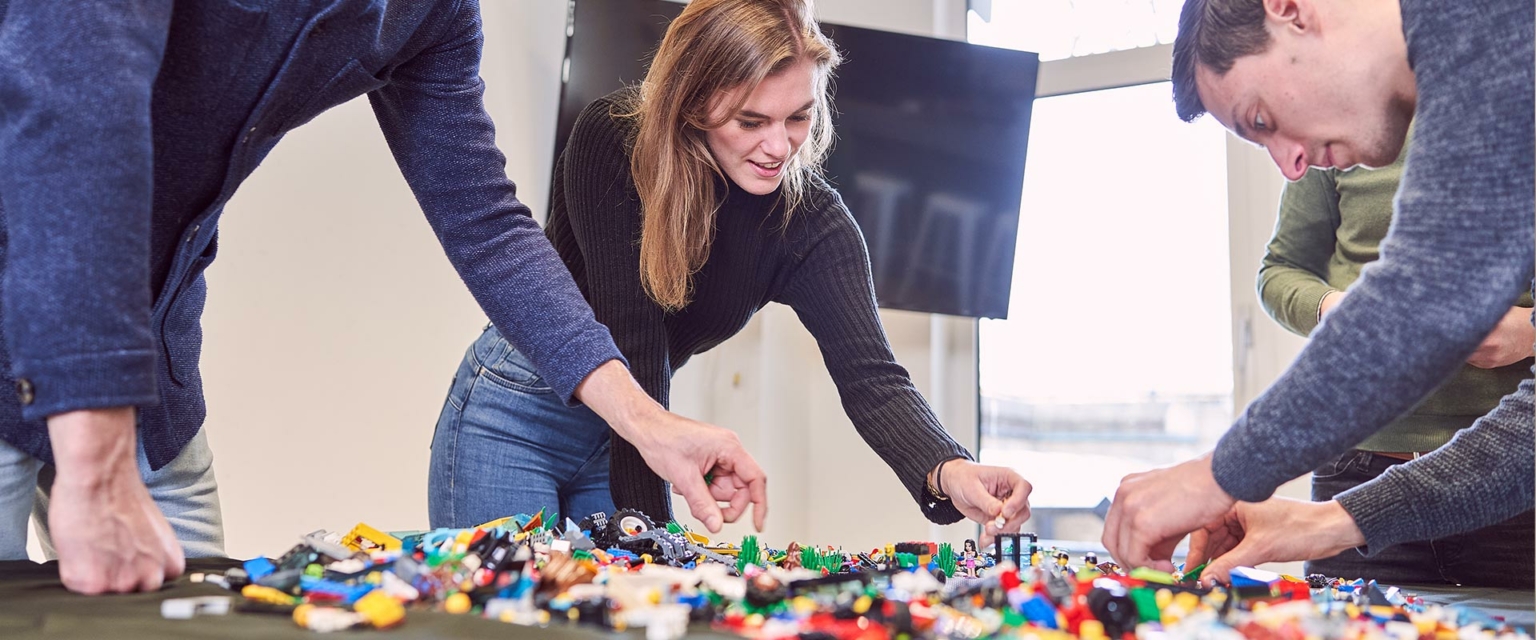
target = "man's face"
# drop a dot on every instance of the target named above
(1309, 106)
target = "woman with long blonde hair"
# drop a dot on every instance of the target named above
(682, 207)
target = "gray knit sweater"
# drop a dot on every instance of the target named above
(1462, 242)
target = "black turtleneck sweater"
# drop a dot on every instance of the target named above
(817, 265)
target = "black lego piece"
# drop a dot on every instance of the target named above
(1111, 605)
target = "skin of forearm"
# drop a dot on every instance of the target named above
(612, 393)
(89, 444)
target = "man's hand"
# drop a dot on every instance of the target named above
(1153, 511)
(680, 450)
(984, 492)
(110, 536)
(1276, 530)
(1510, 341)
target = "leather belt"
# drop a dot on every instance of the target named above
(1398, 455)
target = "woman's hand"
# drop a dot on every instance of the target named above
(984, 493)
(682, 451)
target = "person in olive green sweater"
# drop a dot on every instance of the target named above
(1329, 226)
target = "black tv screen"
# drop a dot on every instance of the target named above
(931, 138)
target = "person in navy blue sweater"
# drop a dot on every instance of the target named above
(125, 127)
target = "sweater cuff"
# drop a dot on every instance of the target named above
(1313, 299)
(86, 381)
(577, 359)
(935, 510)
(1377, 508)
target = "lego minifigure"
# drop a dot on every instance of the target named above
(968, 559)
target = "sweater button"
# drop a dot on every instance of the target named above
(25, 391)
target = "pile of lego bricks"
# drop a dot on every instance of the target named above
(624, 572)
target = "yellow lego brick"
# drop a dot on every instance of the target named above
(379, 609)
(362, 533)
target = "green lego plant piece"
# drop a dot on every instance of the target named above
(674, 527)
(831, 561)
(906, 560)
(751, 553)
(809, 558)
(946, 559)
(1194, 574)
(582, 554)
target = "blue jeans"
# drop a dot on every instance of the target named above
(506, 444)
(1500, 555)
(184, 490)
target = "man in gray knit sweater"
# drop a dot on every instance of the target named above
(1329, 226)
(1335, 83)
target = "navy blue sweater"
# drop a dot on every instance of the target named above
(125, 127)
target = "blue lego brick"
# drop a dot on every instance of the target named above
(258, 568)
(1040, 611)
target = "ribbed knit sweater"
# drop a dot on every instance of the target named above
(1463, 240)
(816, 263)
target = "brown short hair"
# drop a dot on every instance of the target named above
(1213, 34)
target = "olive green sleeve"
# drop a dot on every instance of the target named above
(1293, 276)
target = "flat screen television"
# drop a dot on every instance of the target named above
(931, 139)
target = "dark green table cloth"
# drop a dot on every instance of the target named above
(34, 604)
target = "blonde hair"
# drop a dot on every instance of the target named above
(712, 47)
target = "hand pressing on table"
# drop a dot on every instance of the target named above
(110, 536)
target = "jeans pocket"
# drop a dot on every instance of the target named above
(515, 371)
(1338, 468)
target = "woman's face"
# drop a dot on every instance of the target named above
(756, 142)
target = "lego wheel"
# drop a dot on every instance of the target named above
(629, 522)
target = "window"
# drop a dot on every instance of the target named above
(1059, 29)
(1117, 354)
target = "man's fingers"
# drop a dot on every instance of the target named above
(175, 560)
(1221, 568)
(152, 579)
(739, 499)
(758, 491)
(1111, 537)
(1018, 500)
(1198, 542)
(1162, 554)
(700, 503)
